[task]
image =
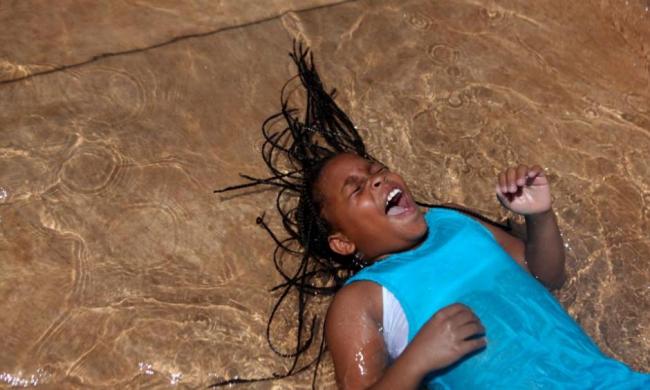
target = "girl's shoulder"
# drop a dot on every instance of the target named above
(353, 333)
(358, 300)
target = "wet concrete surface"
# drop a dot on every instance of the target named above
(119, 268)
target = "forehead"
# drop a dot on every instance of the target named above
(340, 167)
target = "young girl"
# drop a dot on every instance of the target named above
(441, 297)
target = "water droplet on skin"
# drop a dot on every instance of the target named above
(361, 363)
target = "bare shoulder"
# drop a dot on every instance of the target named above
(352, 331)
(356, 300)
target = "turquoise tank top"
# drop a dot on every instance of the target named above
(532, 342)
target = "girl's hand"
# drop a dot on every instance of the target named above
(524, 190)
(453, 332)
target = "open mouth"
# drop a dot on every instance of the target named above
(396, 202)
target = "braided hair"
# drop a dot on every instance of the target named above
(295, 155)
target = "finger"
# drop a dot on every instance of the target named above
(469, 330)
(522, 171)
(463, 317)
(502, 183)
(511, 180)
(535, 171)
(471, 345)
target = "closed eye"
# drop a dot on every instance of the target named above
(356, 190)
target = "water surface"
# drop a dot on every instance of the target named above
(120, 269)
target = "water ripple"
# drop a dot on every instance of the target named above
(105, 95)
(442, 54)
(91, 168)
(418, 20)
(143, 235)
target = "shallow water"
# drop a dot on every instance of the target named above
(119, 268)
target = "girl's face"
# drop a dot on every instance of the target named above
(370, 208)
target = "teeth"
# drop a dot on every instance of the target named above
(392, 195)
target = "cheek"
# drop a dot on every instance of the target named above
(366, 213)
(359, 219)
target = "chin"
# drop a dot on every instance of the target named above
(423, 228)
(417, 228)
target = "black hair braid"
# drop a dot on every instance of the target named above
(295, 157)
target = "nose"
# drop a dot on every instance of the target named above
(377, 180)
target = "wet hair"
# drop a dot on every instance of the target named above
(295, 156)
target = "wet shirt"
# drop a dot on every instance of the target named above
(532, 342)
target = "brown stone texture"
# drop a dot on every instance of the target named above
(119, 267)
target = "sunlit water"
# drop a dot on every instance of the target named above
(120, 269)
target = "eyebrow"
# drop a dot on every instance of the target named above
(353, 178)
(350, 180)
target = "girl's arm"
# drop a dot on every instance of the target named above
(352, 331)
(545, 249)
(525, 190)
(538, 255)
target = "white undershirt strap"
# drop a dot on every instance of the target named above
(395, 324)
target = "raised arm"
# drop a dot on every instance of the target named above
(357, 345)
(525, 190)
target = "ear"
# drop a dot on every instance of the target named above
(340, 244)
